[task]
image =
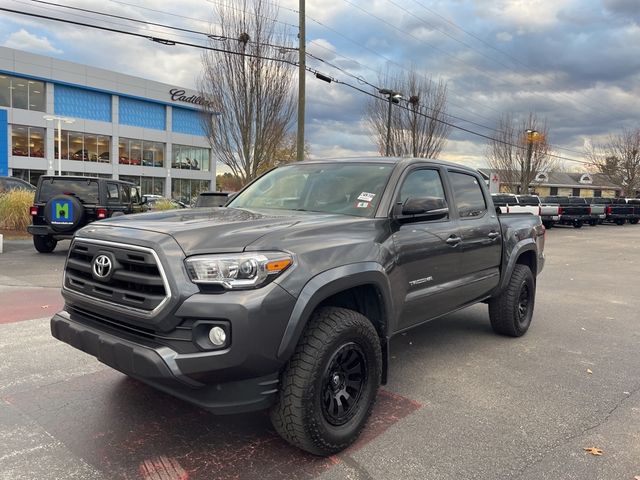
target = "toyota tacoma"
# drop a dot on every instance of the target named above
(287, 297)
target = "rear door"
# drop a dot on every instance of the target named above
(480, 236)
(425, 263)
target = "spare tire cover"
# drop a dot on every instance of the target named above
(64, 213)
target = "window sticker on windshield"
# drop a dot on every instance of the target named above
(366, 197)
(362, 204)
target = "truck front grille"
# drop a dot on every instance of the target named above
(135, 280)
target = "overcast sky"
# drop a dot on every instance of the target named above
(576, 63)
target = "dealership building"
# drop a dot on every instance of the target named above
(58, 115)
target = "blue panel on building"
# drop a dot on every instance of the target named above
(4, 144)
(139, 113)
(81, 103)
(187, 121)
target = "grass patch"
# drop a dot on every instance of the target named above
(14, 210)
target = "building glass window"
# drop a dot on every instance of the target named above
(148, 185)
(141, 152)
(84, 147)
(21, 93)
(186, 190)
(30, 176)
(27, 141)
(190, 158)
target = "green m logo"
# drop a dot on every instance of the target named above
(62, 210)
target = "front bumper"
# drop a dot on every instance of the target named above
(162, 367)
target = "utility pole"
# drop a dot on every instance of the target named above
(394, 97)
(524, 187)
(301, 82)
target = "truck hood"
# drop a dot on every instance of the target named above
(209, 230)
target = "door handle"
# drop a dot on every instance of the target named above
(493, 235)
(453, 240)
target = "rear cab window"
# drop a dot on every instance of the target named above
(468, 195)
(86, 190)
(504, 200)
(529, 200)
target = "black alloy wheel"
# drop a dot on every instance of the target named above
(342, 384)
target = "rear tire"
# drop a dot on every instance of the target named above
(329, 386)
(577, 224)
(634, 221)
(547, 225)
(512, 310)
(44, 243)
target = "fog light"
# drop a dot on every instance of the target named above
(217, 336)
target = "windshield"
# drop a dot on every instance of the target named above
(347, 188)
(85, 190)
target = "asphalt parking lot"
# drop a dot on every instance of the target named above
(462, 403)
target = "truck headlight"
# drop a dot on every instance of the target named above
(237, 271)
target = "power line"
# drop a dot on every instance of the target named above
(170, 27)
(172, 43)
(160, 40)
(506, 54)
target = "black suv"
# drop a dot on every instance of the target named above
(64, 204)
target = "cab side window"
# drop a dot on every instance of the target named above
(468, 195)
(126, 198)
(421, 183)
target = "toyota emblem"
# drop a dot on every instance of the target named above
(102, 266)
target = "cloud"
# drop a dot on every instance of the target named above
(23, 40)
(504, 36)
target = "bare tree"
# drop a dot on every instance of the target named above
(249, 100)
(519, 151)
(619, 160)
(416, 126)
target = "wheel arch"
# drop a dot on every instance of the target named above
(362, 287)
(523, 253)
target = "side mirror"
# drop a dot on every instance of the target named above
(427, 208)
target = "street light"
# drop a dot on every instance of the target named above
(394, 97)
(67, 120)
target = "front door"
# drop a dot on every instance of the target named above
(425, 262)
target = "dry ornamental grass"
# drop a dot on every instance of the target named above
(14, 209)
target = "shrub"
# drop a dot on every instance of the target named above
(164, 204)
(14, 209)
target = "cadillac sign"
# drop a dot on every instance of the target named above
(179, 95)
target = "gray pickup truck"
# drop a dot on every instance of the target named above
(287, 298)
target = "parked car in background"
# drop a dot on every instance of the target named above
(636, 210)
(13, 183)
(212, 199)
(575, 214)
(593, 217)
(616, 210)
(509, 203)
(64, 204)
(548, 213)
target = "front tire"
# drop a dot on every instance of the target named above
(512, 310)
(44, 243)
(329, 386)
